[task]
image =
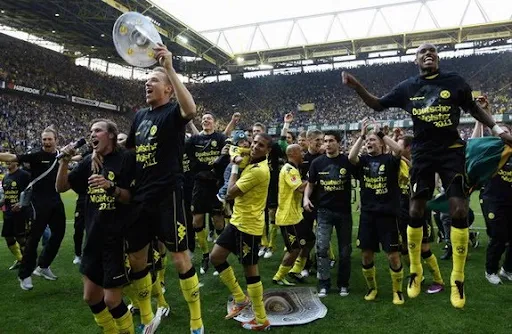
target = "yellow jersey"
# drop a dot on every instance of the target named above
(404, 178)
(249, 209)
(289, 209)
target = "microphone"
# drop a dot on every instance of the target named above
(76, 145)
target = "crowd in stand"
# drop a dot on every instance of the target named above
(262, 99)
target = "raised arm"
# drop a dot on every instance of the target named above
(478, 130)
(353, 155)
(393, 145)
(61, 182)
(231, 125)
(192, 127)
(185, 99)
(369, 99)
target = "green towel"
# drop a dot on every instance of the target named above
(484, 158)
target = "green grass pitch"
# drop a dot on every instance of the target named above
(57, 307)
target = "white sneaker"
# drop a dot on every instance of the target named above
(304, 273)
(77, 260)
(493, 278)
(343, 291)
(153, 325)
(261, 252)
(46, 273)
(268, 254)
(505, 274)
(26, 283)
(163, 311)
(322, 293)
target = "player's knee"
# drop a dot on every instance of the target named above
(181, 261)
(367, 257)
(112, 300)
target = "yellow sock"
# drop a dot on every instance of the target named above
(143, 288)
(369, 276)
(264, 239)
(434, 269)
(158, 291)
(281, 272)
(460, 239)
(190, 289)
(397, 279)
(255, 292)
(203, 241)
(106, 322)
(131, 293)
(124, 325)
(15, 250)
(228, 277)
(272, 234)
(414, 236)
(299, 265)
(332, 257)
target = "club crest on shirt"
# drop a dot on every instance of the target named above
(153, 130)
(445, 94)
(343, 171)
(111, 176)
(14, 184)
(214, 143)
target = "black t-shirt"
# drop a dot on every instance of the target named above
(99, 207)
(435, 104)
(306, 163)
(13, 185)
(203, 150)
(332, 180)
(187, 173)
(158, 136)
(499, 189)
(40, 162)
(380, 191)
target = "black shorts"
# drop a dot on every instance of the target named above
(273, 191)
(498, 219)
(103, 261)
(295, 236)
(164, 220)
(375, 228)
(428, 229)
(245, 246)
(16, 225)
(204, 197)
(449, 163)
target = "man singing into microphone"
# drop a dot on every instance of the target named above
(48, 210)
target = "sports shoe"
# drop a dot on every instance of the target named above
(26, 283)
(268, 254)
(304, 273)
(332, 263)
(197, 330)
(435, 288)
(493, 278)
(398, 298)
(322, 293)
(153, 325)
(457, 297)
(164, 311)
(473, 238)
(255, 326)
(298, 278)
(344, 291)
(505, 274)
(237, 308)
(371, 295)
(45, 272)
(283, 282)
(262, 251)
(133, 309)
(77, 260)
(205, 265)
(15, 265)
(215, 273)
(414, 286)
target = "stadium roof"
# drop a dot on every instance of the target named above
(233, 36)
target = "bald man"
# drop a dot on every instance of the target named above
(289, 212)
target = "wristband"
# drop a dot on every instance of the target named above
(497, 130)
(234, 169)
(380, 134)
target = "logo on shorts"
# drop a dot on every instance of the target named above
(111, 176)
(214, 143)
(461, 250)
(77, 214)
(291, 238)
(245, 249)
(445, 94)
(302, 242)
(343, 171)
(182, 231)
(491, 215)
(358, 242)
(153, 130)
